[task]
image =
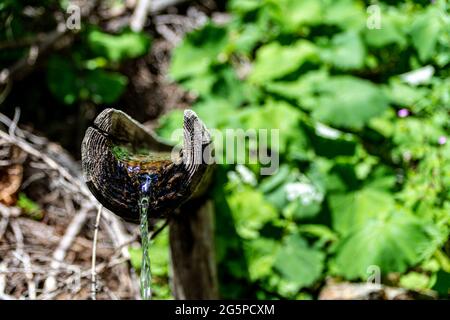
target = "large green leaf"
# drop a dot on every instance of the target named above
(393, 243)
(260, 254)
(209, 109)
(279, 116)
(302, 89)
(169, 124)
(69, 84)
(118, 47)
(198, 51)
(346, 51)
(299, 263)
(250, 211)
(351, 210)
(62, 79)
(244, 6)
(392, 30)
(346, 14)
(425, 32)
(275, 60)
(293, 14)
(442, 284)
(346, 101)
(105, 86)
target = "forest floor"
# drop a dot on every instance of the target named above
(47, 215)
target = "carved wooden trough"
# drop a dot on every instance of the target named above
(121, 159)
(118, 153)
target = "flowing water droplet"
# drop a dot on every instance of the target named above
(143, 169)
(146, 276)
(144, 200)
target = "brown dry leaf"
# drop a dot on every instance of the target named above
(10, 181)
(11, 177)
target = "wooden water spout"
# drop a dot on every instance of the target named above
(122, 160)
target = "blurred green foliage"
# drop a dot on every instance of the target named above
(88, 69)
(89, 73)
(29, 207)
(365, 162)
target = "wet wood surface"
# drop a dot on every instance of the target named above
(181, 178)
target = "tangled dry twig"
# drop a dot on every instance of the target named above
(55, 262)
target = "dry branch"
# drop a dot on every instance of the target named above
(70, 186)
(66, 242)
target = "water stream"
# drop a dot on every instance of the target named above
(144, 200)
(143, 168)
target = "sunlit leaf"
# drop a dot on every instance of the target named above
(118, 47)
(275, 60)
(392, 243)
(351, 210)
(345, 101)
(298, 263)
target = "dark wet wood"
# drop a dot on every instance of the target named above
(113, 181)
(192, 251)
(181, 183)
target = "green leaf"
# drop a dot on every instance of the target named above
(275, 115)
(318, 230)
(298, 263)
(62, 79)
(68, 84)
(403, 94)
(292, 14)
(442, 284)
(118, 47)
(329, 142)
(425, 32)
(29, 207)
(169, 124)
(198, 51)
(260, 254)
(104, 86)
(275, 60)
(209, 109)
(346, 14)
(250, 211)
(299, 211)
(415, 281)
(351, 210)
(244, 6)
(346, 51)
(302, 89)
(159, 255)
(246, 39)
(346, 101)
(393, 243)
(392, 30)
(135, 257)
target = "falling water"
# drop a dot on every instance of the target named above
(142, 168)
(144, 199)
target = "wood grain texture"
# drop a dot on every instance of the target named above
(192, 252)
(110, 181)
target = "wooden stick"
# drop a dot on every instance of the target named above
(94, 255)
(192, 252)
(66, 242)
